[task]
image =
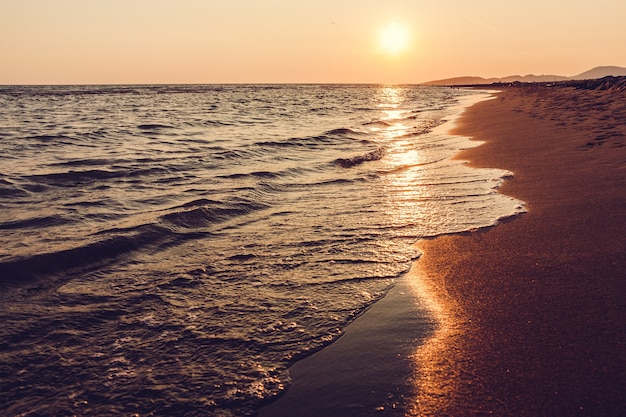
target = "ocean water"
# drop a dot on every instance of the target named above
(171, 250)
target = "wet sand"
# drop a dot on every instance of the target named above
(366, 372)
(532, 313)
(538, 304)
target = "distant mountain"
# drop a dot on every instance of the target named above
(464, 81)
(597, 72)
(600, 72)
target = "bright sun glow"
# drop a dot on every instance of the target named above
(394, 38)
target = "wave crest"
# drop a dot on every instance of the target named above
(359, 159)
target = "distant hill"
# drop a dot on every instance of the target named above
(600, 72)
(597, 72)
(464, 81)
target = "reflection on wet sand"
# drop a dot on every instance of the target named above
(433, 383)
(444, 375)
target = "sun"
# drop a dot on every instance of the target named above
(394, 38)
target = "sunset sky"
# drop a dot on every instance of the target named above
(308, 41)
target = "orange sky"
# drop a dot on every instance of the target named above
(308, 41)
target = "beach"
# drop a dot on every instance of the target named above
(531, 312)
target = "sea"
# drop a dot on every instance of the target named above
(173, 249)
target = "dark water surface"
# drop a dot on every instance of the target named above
(170, 250)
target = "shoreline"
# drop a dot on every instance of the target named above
(537, 304)
(532, 310)
(343, 379)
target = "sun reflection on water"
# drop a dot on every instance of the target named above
(409, 176)
(391, 95)
(403, 165)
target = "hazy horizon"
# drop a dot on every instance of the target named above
(310, 42)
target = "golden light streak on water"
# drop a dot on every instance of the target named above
(433, 382)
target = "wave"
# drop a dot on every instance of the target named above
(309, 142)
(154, 126)
(331, 137)
(48, 138)
(197, 203)
(204, 214)
(172, 229)
(85, 162)
(34, 223)
(343, 131)
(258, 174)
(8, 189)
(359, 159)
(335, 181)
(404, 167)
(216, 123)
(379, 123)
(79, 258)
(72, 177)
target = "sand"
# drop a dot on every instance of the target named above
(538, 304)
(531, 313)
(369, 370)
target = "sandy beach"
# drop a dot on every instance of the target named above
(532, 313)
